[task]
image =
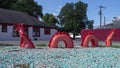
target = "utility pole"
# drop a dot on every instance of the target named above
(100, 13)
(104, 21)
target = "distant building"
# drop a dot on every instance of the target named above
(114, 24)
(116, 19)
(35, 29)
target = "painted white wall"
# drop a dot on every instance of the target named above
(47, 37)
(9, 34)
(31, 34)
(42, 35)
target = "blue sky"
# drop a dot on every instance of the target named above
(112, 8)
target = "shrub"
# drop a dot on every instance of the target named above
(41, 45)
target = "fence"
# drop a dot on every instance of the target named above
(102, 34)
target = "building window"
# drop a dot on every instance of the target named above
(36, 32)
(47, 31)
(26, 31)
(15, 33)
(4, 28)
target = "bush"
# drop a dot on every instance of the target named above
(115, 46)
(41, 45)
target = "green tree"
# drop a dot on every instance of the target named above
(50, 19)
(6, 4)
(71, 16)
(29, 6)
(90, 24)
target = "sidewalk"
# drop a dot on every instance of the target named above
(76, 42)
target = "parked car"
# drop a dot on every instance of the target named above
(76, 37)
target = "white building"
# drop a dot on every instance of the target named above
(116, 19)
(35, 29)
(114, 24)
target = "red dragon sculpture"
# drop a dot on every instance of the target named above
(25, 42)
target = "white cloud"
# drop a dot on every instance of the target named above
(57, 11)
(55, 14)
(59, 8)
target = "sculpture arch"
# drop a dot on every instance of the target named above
(108, 41)
(89, 38)
(61, 36)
